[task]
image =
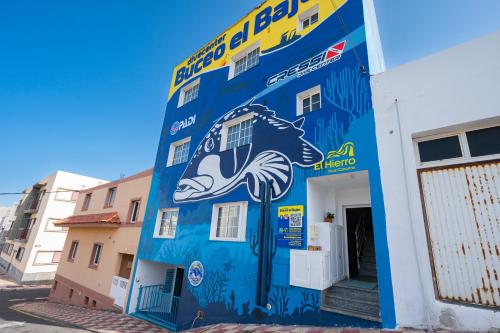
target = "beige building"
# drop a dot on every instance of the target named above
(103, 234)
(33, 244)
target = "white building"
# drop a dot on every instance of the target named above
(7, 214)
(438, 137)
(34, 244)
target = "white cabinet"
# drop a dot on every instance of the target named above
(310, 269)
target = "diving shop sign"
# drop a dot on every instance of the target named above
(291, 227)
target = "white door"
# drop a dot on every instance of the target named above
(338, 257)
(299, 268)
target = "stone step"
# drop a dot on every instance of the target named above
(351, 313)
(368, 259)
(370, 266)
(367, 272)
(354, 293)
(352, 304)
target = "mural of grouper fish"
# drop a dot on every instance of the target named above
(213, 171)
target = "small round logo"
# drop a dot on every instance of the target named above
(195, 273)
(209, 145)
(175, 127)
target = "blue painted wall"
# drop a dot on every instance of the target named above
(227, 293)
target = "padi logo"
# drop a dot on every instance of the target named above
(310, 65)
(178, 125)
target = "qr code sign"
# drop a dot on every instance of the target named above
(295, 220)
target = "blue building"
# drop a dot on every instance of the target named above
(266, 203)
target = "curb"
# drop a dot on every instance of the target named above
(56, 321)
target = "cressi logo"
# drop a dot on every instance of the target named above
(307, 66)
(178, 125)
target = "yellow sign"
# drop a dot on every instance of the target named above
(290, 226)
(342, 159)
(268, 27)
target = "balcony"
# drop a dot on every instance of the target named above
(157, 305)
(22, 234)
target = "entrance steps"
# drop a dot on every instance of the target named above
(355, 298)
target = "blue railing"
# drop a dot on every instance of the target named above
(158, 305)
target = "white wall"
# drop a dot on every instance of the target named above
(148, 273)
(446, 91)
(41, 240)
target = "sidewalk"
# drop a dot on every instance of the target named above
(92, 320)
(112, 322)
(7, 283)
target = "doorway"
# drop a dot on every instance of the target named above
(126, 262)
(361, 262)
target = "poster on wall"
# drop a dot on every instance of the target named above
(291, 226)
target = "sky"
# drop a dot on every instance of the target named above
(84, 84)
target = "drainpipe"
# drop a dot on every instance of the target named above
(262, 190)
(407, 192)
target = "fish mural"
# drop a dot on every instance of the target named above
(215, 169)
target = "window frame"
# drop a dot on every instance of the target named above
(301, 96)
(131, 210)
(239, 56)
(73, 248)
(242, 222)
(62, 229)
(183, 92)
(158, 223)
(171, 151)
(65, 190)
(464, 146)
(19, 251)
(108, 197)
(52, 262)
(230, 123)
(92, 262)
(86, 201)
(305, 15)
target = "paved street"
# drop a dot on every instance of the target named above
(13, 321)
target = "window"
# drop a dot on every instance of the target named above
(237, 132)
(484, 141)
(308, 18)
(54, 286)
(51, 227)
(47, 257)
(189, 93)
(95, 258)
(244, 60)
(166, 223)
(63, 194)
(71, 293)
(461, 146)
(56, 258)
(72, 251)
(229, 222)
(86, 201)
(179, 152)
(20, 253)
(440, 149)
(110, 199)
(7, 248)
(309, 100)
(86, 300)
(39, 199)
(134, 210)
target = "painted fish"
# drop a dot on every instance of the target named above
(269, 155)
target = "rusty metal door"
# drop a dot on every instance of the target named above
(462, 216)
